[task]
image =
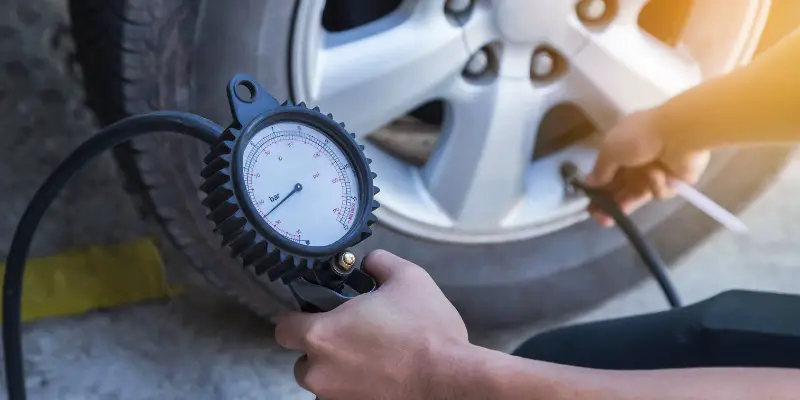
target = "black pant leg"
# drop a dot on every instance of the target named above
(736, 328)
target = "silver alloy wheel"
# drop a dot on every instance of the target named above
(480, 185)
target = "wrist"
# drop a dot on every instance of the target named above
(445, 367)
(668, 129)
(673, 132)
(466, 371)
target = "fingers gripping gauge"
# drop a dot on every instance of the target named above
(290, 191)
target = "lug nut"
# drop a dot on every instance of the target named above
(592, 10)
(546, 64)
(543, 64)
(457, 6)
(478, 64)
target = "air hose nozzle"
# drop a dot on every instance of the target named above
(570, 173)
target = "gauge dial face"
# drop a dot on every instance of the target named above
(301, 183)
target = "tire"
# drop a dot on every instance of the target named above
(141, 55)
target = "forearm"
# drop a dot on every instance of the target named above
(477, 373)
(685, 384)
(759, 103)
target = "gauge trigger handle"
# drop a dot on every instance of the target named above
(316, 297)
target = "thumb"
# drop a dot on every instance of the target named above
(385, 266)
(604, 169)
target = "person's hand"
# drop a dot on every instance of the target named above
(387, 344)
(636, 160)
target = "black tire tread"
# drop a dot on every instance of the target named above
(116, 47)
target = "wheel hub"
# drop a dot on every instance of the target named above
(499, 68)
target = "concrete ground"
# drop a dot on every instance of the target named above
(200, 345)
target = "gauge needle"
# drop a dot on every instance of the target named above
(297, 187)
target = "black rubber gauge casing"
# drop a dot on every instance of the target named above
(236, 219)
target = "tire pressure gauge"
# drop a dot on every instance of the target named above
(290, 191)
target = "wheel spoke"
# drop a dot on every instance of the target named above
(476, 174)
(623, 69)
(373, 74)
(480, 28)
(515, 61)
